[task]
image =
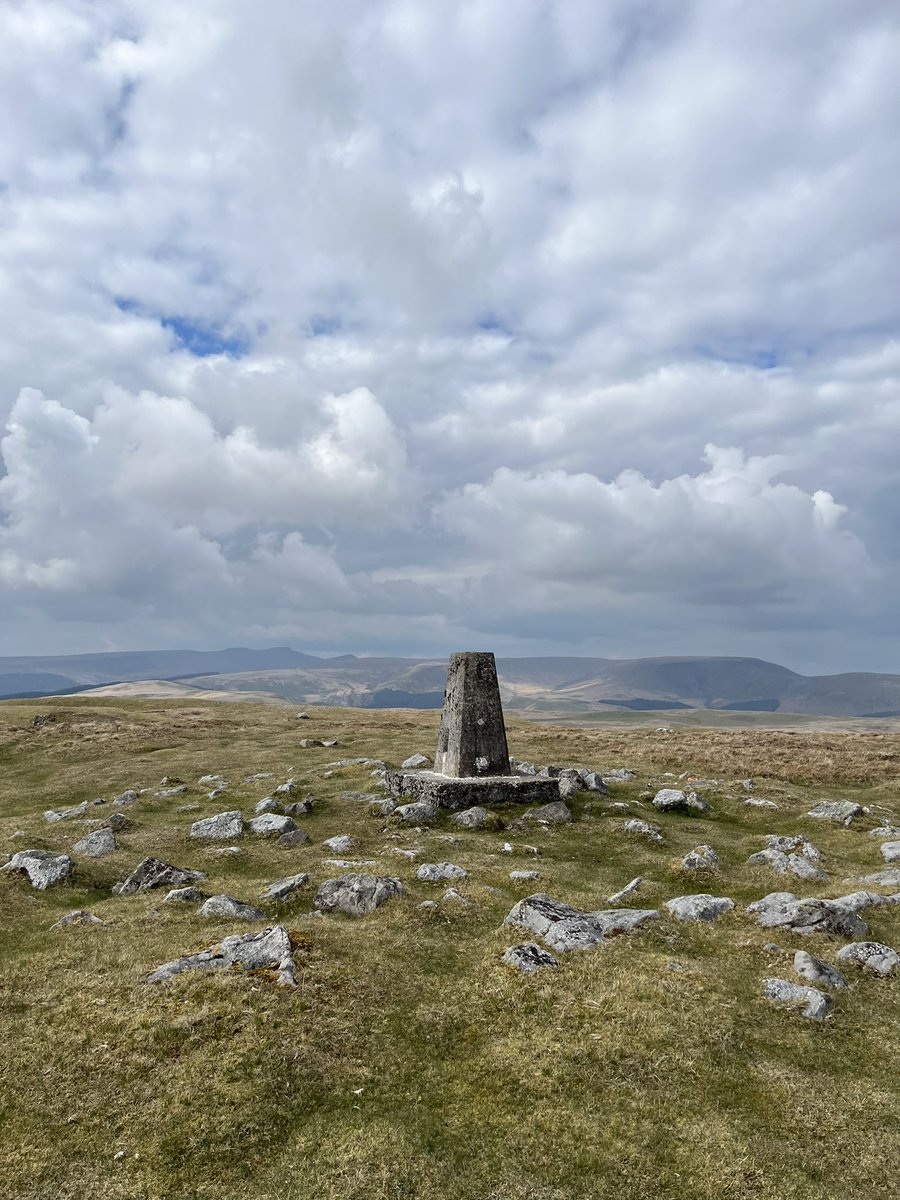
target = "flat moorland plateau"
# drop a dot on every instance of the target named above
(409, 1062)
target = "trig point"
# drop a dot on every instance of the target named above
(471, 765)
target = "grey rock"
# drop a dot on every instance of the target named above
(299, 808)
(227, 906)
(787, 864)
(217, 793)
(285, 887)
(258, 777)
(619, 775)
(628, 890)
(523, 768)
(188, 808)
(651, 832)
(565, 928)
(453, 896)
(357, 894)
(803, 868)
(784, 910)
(341, 844)
(66, 814)
(794, 843)
(420, 812)
(289, 788)
(781, 991)
(759, 803)
(477, 818)
(268, 950)
(223, 827)
(80, 916)
(173, 791)
(209, 780)
(675, 800)
(813, 970)
(701, 858)
(271, 824)
(890, 851)
(383, 808)
(858, 901)
(597, 783)
(517, 876)
(301, 716)
(440, 872)
(570, 785)
(528, 957)
(96, 843)
(874, 956)
(887, 878)
(127, 797)
(700, 907)
(888, 832)
(310, 743)
(415, 760)
(43, 868)
(118, 823)
(840, 811)
(154, 873)
(268, 804)
(184, 895)
(556, 813)
(296, 837)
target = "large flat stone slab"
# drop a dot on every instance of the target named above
(460, 792)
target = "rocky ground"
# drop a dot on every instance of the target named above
(232, 965)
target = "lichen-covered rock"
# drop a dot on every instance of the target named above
(268, 804)
(299, 808)
(383, 807)
(414, 761)
(890, 851)
(675, 800)
(565, 928)
(341, 844)
(440, 872)
(419, 812)
(285, 887)
(857, 901)
(288, 788)
(784, 910)
(223, 827)
(840, 811)
(296, 837)
(78, 917)
(701, 858)
(874, 956)
(66, 814)
(813, 970)
(653, 833)
(268, 950)
(755, 802)
(519, 876)
(816, 1004)
(699, 908)
(96, 843)
(184, 895)
(129, 796)
(788, 864)
(629, 888)
(477, 818)
(271, 824)
(570, 785)
(227, 906)
(357, 895)
(557, 812)
(154, 873)
(594, 782)
(118, 823)
(43, 868)
(887, 878)
(529, 957)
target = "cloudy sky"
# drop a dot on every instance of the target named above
(390, 326)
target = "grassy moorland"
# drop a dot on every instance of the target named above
(410, 1063)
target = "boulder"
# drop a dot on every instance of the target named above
(295, 837)
(594, 782)
(420, 812)
(887, 878)
(154, 873)
(227, 906)
(414, 761)
(651, 832)
(477, 818)
(528, 957)
(268, 950)
(699, 908)
(118, 823)
(784, 910)
(43, 868)
(311, 743)
(565, 928)
(890, 851)
(874, 956)
(220, 828)
(816, 1004)
(285, 887)
(268, 804)
(357, 895)
(96, 843)
(341, 844)
(857, 901)
(440, 872)
(675, 800)
(794, 843)
(570, 785)
(385, 807)
(271, 824)
(813, 970)
(184, 895)
(701, 858)
(787, 864)
(129, 796)
(840, 811)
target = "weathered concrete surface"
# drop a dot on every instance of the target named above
(472, 736)
(459, 793)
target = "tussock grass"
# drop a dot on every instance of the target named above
(409, 1063)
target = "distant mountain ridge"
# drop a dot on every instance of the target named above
(536, 685)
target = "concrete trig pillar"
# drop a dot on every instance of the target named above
(472, 737)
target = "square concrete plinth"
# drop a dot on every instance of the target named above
(456, 792)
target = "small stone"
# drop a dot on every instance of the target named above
(118, 823)
(890, 851)
(285, 887)
(66, 814)
(570, 785)
(888, 832)
(270, 824)
(627, 890)
(295, 837)
(428, 904)
(154, 873)
(217, 793)
(43, 868)
(699, 908)
(887, 878)
(268, 804)
(619, 775)
(420, 812)
(96, 844)
(184, 895)
(414, 761)
(301, 716)
(528, 957)
(357, 895)
(453, 896)
(227, 906)
(172, 791)
(228, 851)
(288, 788)
(597, 783)
(477, 818)
(813, 970)
(310, 743)
(701, 858)
(521, 875)
(299, 808)
(127, 797)
(78, 917)
(781, 991)
(383, 808)
(220, 828)
(440, 872)
(675, 800)
(555, 813)
(874, 956)
(340, 844)
(754, 803)
(188, 808)
(258, 777)
(209, 780)
(840, 811)
(651, 832)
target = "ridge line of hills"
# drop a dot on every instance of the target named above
(540, 684)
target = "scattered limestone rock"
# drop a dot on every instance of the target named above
(312, 743)
(227, 906)
(357, 895)
(211, 780)
(43, 868)
(784, 864)
(888, 878)
(570, 785)
(172, 791)
(595, 782)
(675, 800)
(477, 818)
(419, 812)
(840, 811)
(129, 796)
(340, 844)
(79, 916)
(652, 832)
(813, 970)
(285, 887)
(874, 956)
(258, 777)
(270, 824)
(66, 814)
(890, 851)
(454, 896)
(520, 875)
(220, 828)
(557, 812)
(268, 950)
(299, 808)
(414, 761)
(268, 804)
(184, 895)
(784, 910)
(289, 788)
(888, 832)
(528, 957)
(440, 872)
(96, 843)
(564, 928)
(699, 908)
(701, 858)
(627, 890)
(794, 843)
(118, 823)
(383, 807)
(781, 991)
(857, 901)
(154, 873)
(295, 837)
(754, 802)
